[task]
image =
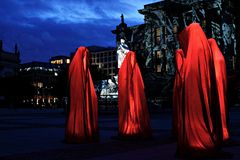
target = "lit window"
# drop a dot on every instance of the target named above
(40, 84)
(175, 29)
(55, 74)
(157, 36)
(59, 61)
(67, 61)
(158, 54)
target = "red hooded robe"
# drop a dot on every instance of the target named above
(221, 82)
(177, 92)
(133, 111)
(198, 111)
(82, 124)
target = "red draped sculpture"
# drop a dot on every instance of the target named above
(221, 82)
(177, 91)
(133, 111)
(196, 106)
(82, 123)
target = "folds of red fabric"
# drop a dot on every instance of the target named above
(198, 112)
(133, 111)
(82, 122)
(177, 91)
(221, 82)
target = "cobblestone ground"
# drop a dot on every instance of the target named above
(37, 134)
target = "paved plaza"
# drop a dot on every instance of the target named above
(38, 134)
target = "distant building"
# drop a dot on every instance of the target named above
(104, 59)
(9, 62)
(42, 76)
(156, 41)
(163, 21)
(217, 18)
(62, 61)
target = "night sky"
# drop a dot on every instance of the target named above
(45, 28)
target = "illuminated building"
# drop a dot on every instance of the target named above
(103, 62)
(217, 18)
(9, 62)
(60, 60)
(42, 76)
(104, 59)
(156, 40)
(164, 19)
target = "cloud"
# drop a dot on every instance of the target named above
(46, 28)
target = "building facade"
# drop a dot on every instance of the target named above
(156, 40)
(62, 61)
(42, 78)
(104, 60)
(163, 21)
(217, 18)
(9, 62)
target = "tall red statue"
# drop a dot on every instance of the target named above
(82, 124)
(195, 88)
(133, 111)
(221, 82)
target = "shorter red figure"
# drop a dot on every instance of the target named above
(133, 111)
(221, 82)
(177, 92)
(82, 123)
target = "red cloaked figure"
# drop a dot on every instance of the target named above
(198, 111)
(177, 92)
(82, 124)
(221, 82)
(133, 111)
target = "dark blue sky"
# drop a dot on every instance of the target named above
(45, 28)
